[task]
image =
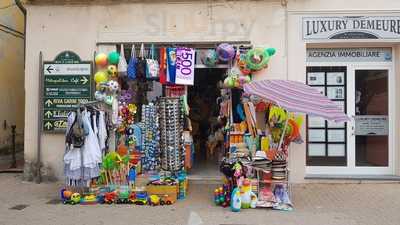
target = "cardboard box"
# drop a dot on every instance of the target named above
(161, 190)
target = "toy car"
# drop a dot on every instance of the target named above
(154, 200)
(132, 197)
(110, 197)
(123, 197)
(166, 200)
(141, 198)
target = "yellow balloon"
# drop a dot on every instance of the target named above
(100, 77)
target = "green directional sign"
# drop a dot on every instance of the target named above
(67, 81)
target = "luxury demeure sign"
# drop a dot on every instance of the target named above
(351, 27)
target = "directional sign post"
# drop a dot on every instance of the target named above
(67, 82)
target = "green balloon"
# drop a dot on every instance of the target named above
(113, 58)
(271, 51)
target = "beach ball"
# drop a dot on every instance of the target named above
(114, 86)
(225, 52)
(209, 57)
(113, 58)
(101, 60)
(100, 77)
(112, 70)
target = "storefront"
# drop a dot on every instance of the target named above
(341, 52)
(351, 58)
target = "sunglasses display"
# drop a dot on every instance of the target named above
(171, 129)
(151, 138)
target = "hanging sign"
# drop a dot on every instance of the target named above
(67, 82)
(349, 54)
(351, 27)
(185, 60)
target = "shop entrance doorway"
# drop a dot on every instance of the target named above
(204, 111)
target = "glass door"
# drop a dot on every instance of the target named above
(369, 105)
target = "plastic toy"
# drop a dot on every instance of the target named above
(110, 197)
(101, 77)
(258, 58)
(132, 197)
(123, 197)
(89, 199)
(154, 200)
(246, 194)
(113, 85)
(236, 202)
(209, 57)
(112, 71)
(141, 198)
(166, 200)
(101, 60)
(113, 58)
(225, 52)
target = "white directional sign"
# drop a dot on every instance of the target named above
(66, 69)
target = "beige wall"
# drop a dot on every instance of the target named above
(52, 29)
(11, 73)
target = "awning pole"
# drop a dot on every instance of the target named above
(283, 133)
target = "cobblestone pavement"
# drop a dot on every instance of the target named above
(315, 204)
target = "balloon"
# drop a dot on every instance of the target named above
(112, 71)
(101, 60)
(101, 77)
(209, 57)
(225, 52)
(113, 58)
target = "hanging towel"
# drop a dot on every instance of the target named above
(163, 66)
(171, 65)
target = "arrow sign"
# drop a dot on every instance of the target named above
(84, 80)
(48, 125)
(48, 103)
(49, 69)
(48, 114)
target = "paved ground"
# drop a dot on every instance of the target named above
(315, 204)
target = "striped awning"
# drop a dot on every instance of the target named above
(298, 97)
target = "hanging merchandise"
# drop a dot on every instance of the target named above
(151, 138)
(171, 65)
(241, 63)
(209, 57)
(171, 129)
(131, 70)
(113, 58)
(226, 52)
(83, 147)
(258, 58)
(141, 65)
(101, 60)
(163, 65)
(152, 66)
(101, 77)
(122, 65)
(236, 79)
(185, 60)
